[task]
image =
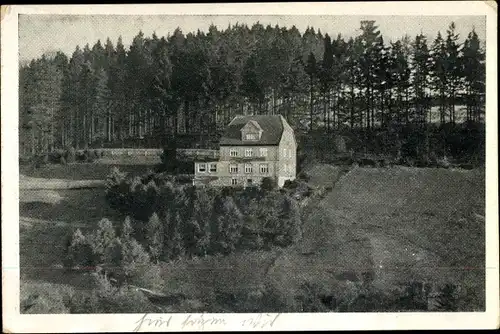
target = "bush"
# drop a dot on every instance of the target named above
(79, 251)
(45, 298)
(103, 242)
(304, 176)
(268, 184)
(70, 154)
(443, 163)
(90, 156)
(134, 259)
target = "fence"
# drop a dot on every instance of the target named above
(134, 152)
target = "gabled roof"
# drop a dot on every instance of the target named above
(251, 124)
(272, 129)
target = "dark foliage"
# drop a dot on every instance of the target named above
(360, 93)
(198, 221)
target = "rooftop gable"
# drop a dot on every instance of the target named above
(252, 125)
(270, 125)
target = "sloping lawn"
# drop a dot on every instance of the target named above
(82, 171)
(393, 226)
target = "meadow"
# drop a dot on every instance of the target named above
(382, 226)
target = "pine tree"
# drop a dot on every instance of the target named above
(311, 69)
(453, 68)
(421, 77)
(326, 78)
(134, 259)
(164, 100)
(154, 237)
(474, 75)
(229, 223)
(369, 40)
(79, 252)
(289, 222)
(177, 245)
(102, 240)
(118, 91)
(439, 74)
(401, 80)
(127, 229)
(101, 104)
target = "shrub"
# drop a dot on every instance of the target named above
(125, 301)
(169, 160)
(70, 154)
(90, 156)
(443, 163)
(54, 157)
(304, 176)
(79, 251)
(154, 237)
(45, 298)
(290, 184)
(103, 242)
(268, 184)
(227, 225)
(448, 298)
(309, 298)
(134, 259)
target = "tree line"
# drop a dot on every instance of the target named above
(161, 87)
(175, 220)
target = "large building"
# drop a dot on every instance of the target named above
(251, 148)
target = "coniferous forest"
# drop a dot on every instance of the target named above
(164, 87)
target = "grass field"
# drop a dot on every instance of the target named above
(394, 225)
(391, 224)
(83, 171)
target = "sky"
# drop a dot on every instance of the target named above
(47, 33)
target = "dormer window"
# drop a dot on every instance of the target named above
(251, 136)
(251, 131)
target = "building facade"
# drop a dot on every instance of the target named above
(251, 148)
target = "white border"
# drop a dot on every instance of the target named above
(14, 322)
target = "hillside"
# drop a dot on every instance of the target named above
(392, 226)
(388, 226)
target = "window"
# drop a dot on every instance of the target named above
(233, 152)
(264, 168)
(248, 168)
(233, 168)
(251, 136)
(234, 182)
(263, 152)
(213, 168)
(202, 168)
(248, 152)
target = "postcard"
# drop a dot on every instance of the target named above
(249, 167)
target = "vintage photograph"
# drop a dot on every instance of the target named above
(251, 163)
